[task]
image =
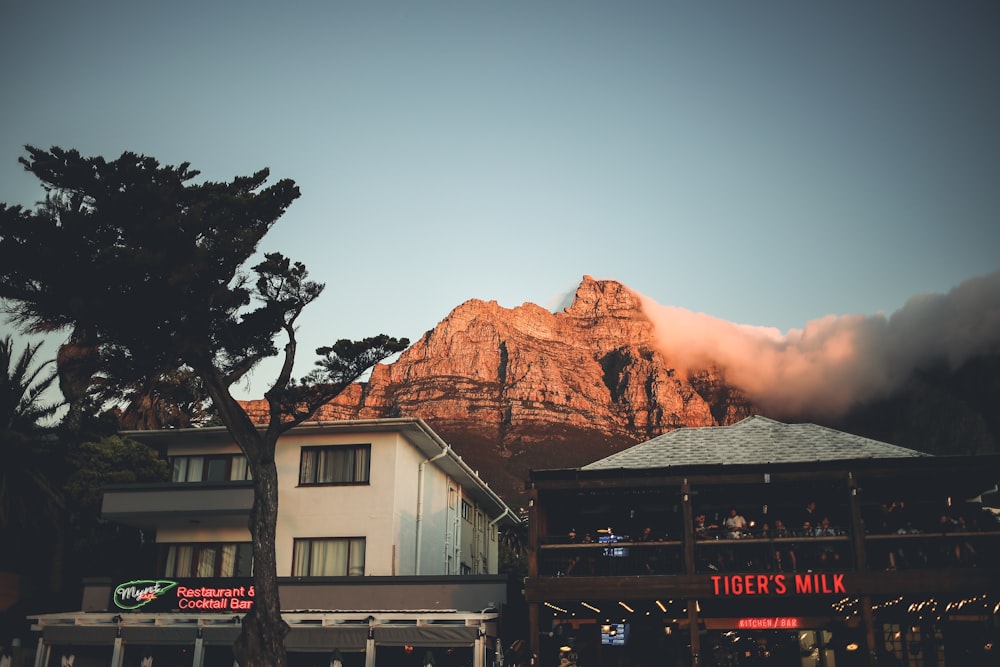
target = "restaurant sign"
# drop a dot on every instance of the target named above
(740, 585)
(192, 596)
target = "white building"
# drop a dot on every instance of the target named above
(387, 545)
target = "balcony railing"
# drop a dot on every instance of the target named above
(755, 554)
(169, 504)
(616, 559)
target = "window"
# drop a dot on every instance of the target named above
(212, 468)
(329, 557)
(466, 511)
(208, 560)
(335, 464)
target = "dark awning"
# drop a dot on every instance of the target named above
(426, 635)
(222, 635)
(79, 635)
(327, 638)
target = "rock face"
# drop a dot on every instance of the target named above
(516, 389)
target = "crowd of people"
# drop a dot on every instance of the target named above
(951, 522)
(811, 539)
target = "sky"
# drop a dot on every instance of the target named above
(769, 164)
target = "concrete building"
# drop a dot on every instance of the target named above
(387, 547)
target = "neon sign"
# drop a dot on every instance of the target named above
(189, 595)
(135, 594)
(206, 598)
(739, 585)
(777, 623)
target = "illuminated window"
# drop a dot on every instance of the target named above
(208, 560)
(329, 557)
(335, 464)
(211, 468)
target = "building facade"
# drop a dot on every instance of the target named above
(765, 543)
(387, 547)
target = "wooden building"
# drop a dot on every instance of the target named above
(838, 551)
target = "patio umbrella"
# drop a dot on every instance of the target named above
(336, 659)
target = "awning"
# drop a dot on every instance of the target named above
(159, 635)
(327, 638)
(222, 635)
(79, 635)
(426, 635)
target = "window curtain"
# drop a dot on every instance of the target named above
(178, 560)
(307, 469)
(206, 562)
(196, 465)
(180, 469)
(329, 558)
(337, 464)
(227, 567)
(357, 558)
(240, 469)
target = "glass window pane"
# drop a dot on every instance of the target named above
(239, 469)
(244, 560)
(180, 469)
(184, 555)
(357, 558)
(300, 558)
(195, 466)
(307, 468)
(206, 562)
(228, 564)
(216, 471)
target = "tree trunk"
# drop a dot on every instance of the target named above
(262, 642)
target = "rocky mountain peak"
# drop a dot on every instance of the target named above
(521, 388)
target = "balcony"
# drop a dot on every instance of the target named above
(179, 505)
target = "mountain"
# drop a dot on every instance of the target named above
(516, 389)
(523, 388)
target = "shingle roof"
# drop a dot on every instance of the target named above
(751, 441)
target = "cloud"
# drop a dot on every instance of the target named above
(838, 360)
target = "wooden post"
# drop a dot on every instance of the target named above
(689, 536)
(695, 636)
(868, 618)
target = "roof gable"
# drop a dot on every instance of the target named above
(753, 440)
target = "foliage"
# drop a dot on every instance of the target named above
(100, 547)
(513, 549)
(145, 267)
(175, 399)
(25, 443)
(113, 460)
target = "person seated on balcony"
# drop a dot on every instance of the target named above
(957, 551)
(574, 559)
(907, 554)
(809, 513)
(827, 554)
(735, 524)
(650, 557)
(703, 529)
(825, 529)
(785, 553)
(899, 515)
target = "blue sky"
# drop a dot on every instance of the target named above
(766, 163)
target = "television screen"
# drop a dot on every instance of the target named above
(614, 634)
(613, 551)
